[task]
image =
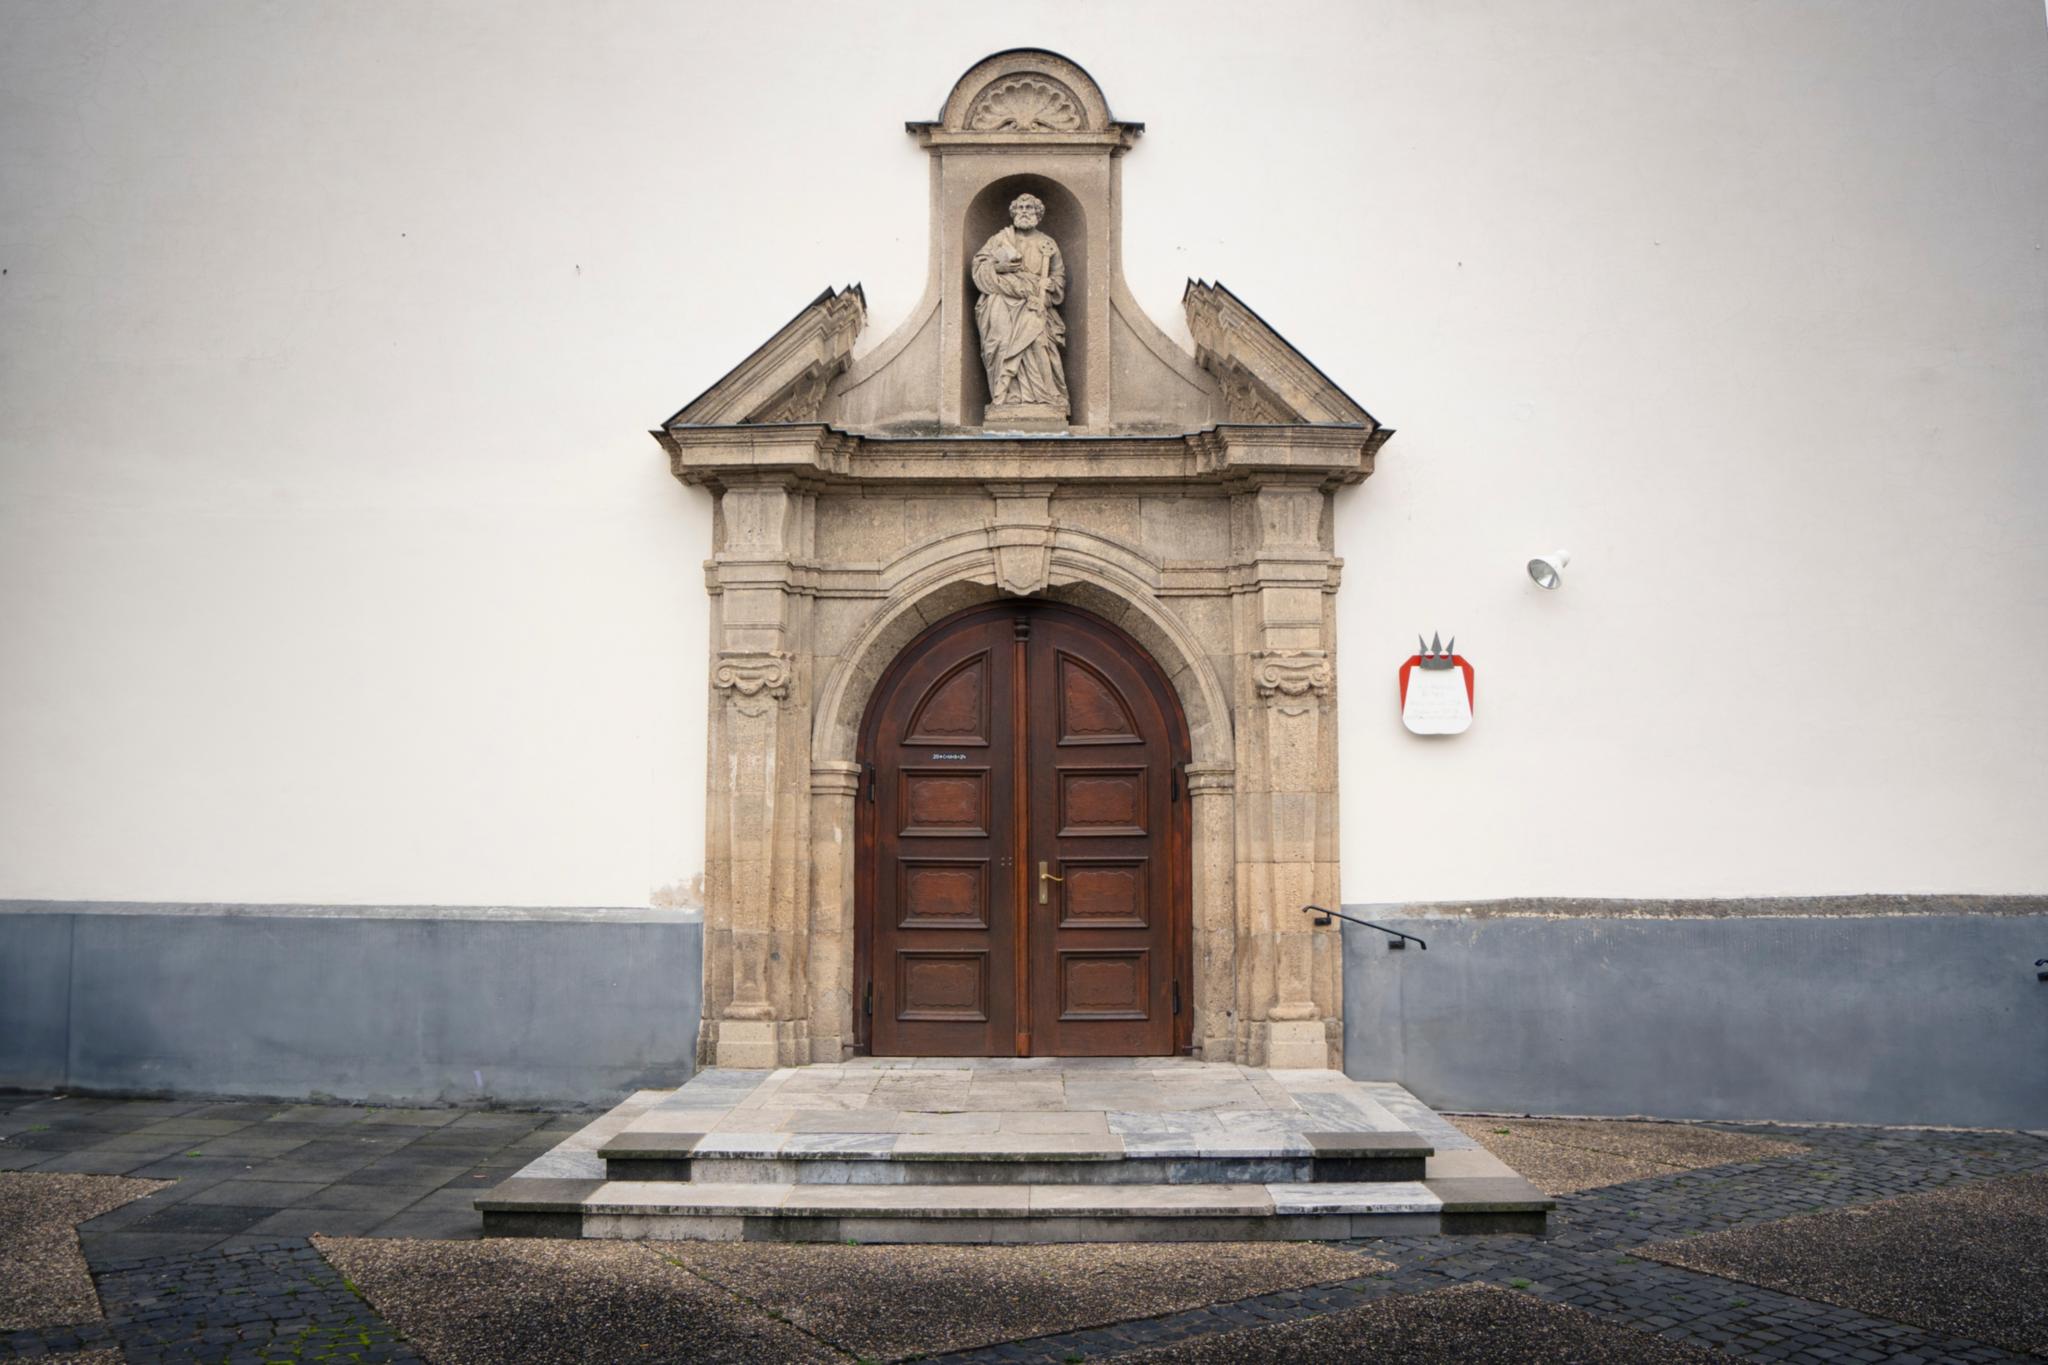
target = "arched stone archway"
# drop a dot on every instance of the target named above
(1082, 576)
(934, 583)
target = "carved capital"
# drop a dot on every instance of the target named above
(750, 673)
(835, 779)
(1291, 672)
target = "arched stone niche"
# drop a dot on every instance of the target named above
(927, 588)
(857, 502)
(1067, 222)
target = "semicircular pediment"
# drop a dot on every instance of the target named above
(1025, 90)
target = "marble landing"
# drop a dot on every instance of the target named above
(1042, 1109)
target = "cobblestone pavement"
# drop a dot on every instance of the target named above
(217, 1268)
(265, 1303)
(1585, 1261)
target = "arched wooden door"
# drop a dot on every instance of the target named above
(1023, 854)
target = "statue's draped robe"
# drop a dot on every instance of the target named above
(1021, 329)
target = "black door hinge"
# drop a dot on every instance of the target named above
(1175, 770)
(1176, 997)
(868, 1000)
(871, 784)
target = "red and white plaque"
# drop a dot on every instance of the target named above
(1436, 689)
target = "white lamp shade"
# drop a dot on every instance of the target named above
(1548, 570)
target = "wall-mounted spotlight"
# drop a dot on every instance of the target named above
(1548, 570)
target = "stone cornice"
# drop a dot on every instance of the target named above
(1226, 455)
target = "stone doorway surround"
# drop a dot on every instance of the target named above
(1190, 503)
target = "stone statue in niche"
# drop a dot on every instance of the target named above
(1022, 281)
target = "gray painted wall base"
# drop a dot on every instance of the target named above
(1854, 1011)
(1873, 1010)
(414, 1005)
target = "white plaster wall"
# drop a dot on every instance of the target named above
(335, 564)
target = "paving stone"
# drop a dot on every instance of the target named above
(275, 1194)
(195, 1126)
(415, 1118)
(190, 1217)
(385, 1199)
(438, 1224)
(94, 1161)
(421, 1175)
(188, 1167)
(125, 1245)
(49, 1139)
(311, 1222)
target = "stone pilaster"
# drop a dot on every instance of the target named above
(758, 788)
(835, 789)
(1286, 747)
(1213, 790)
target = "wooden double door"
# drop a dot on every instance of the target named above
(1023, 852)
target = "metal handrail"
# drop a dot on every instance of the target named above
(1353, 919)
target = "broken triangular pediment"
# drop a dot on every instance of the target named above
(786, 378)
(1264, 379)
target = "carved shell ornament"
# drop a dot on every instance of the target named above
(1026, 104)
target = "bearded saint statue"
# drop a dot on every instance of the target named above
(1021, 277)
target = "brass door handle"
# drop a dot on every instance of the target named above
(1044, 877)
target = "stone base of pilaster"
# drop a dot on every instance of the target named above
(762, 1044)
(1291, 1044)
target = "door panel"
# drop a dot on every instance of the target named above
(1008, 740)
(944, 907)
(1100, 756)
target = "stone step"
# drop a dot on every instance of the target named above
(1256, 1211)
(644, 1154)
(1016, 1150)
